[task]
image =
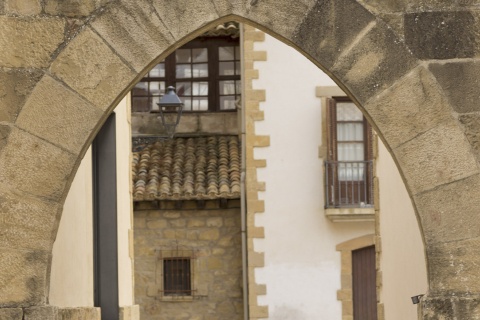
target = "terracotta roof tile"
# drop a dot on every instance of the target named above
(187, 169)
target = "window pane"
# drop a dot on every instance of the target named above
(200, 70)
(140, 89)
(184, 71)
(140, 104)
(200, 104)
(238, 86)
(226, 53)
(351, 171)
(350, 151)
(154, 101)
(237, 68)
(350, 131)
(157, 87)
(184, 88)
(187, 103)
(348, 111)
(227, 68)
(200, 55)
(227, 103)
(200, 89)
(237, 53)
(227, 87)
(183, 56)
(158, 71)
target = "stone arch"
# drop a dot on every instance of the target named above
(79, 72)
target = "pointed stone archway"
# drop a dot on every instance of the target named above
(415, 75)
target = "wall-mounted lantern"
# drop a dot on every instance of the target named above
(170, 108)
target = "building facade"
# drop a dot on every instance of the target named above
(412, 67)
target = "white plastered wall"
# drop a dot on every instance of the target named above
(71, 283)
(302, 267)
(403, 258)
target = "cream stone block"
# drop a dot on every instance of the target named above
(184, 17)
(412, 106)
(72, 8)
(90, 67)
(23, 277)
(27, 222)
(258, 312)
(41, 313)
(211, 234)
(79, 313)
(436, 157)
(29, 43)
(23, 7)
(444, 211)
(32, 165)
(130, 312)
(156, 224)
(11, 313)
(284, 19)
(15, 86)
(43, 115)
(453, 266)
(135, 31)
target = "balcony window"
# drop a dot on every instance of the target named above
(349, 167)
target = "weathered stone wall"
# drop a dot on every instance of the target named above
(64, 65)
(213, 234)
(146, 124)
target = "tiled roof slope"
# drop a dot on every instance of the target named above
(187, 169)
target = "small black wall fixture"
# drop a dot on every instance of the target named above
(416, 299)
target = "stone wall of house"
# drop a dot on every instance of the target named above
(213, 235)
(149, 124)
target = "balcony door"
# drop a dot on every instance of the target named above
(349, 168)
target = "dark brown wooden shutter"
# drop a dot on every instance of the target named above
(364, 284)
(331, 129)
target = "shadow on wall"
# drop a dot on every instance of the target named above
(286, 313)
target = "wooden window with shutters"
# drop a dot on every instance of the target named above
(349, 167)
(205, 73)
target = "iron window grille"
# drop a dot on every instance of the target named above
(177, 273)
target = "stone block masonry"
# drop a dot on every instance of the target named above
(212, 238)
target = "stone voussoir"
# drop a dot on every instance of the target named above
(92, 69)
(436, 157)
(42, 115)
(135, 32)
(367, 68)
(325, 33)
(285, 19)
(23, 278)
(453, 267)
(410, 107)
(29, 43)
(463, 98)
(442, 209)
(15, 86)
(441, 35)
(32, 165)
(27, 222)
(184, 18)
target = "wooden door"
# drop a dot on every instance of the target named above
(364, 284)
